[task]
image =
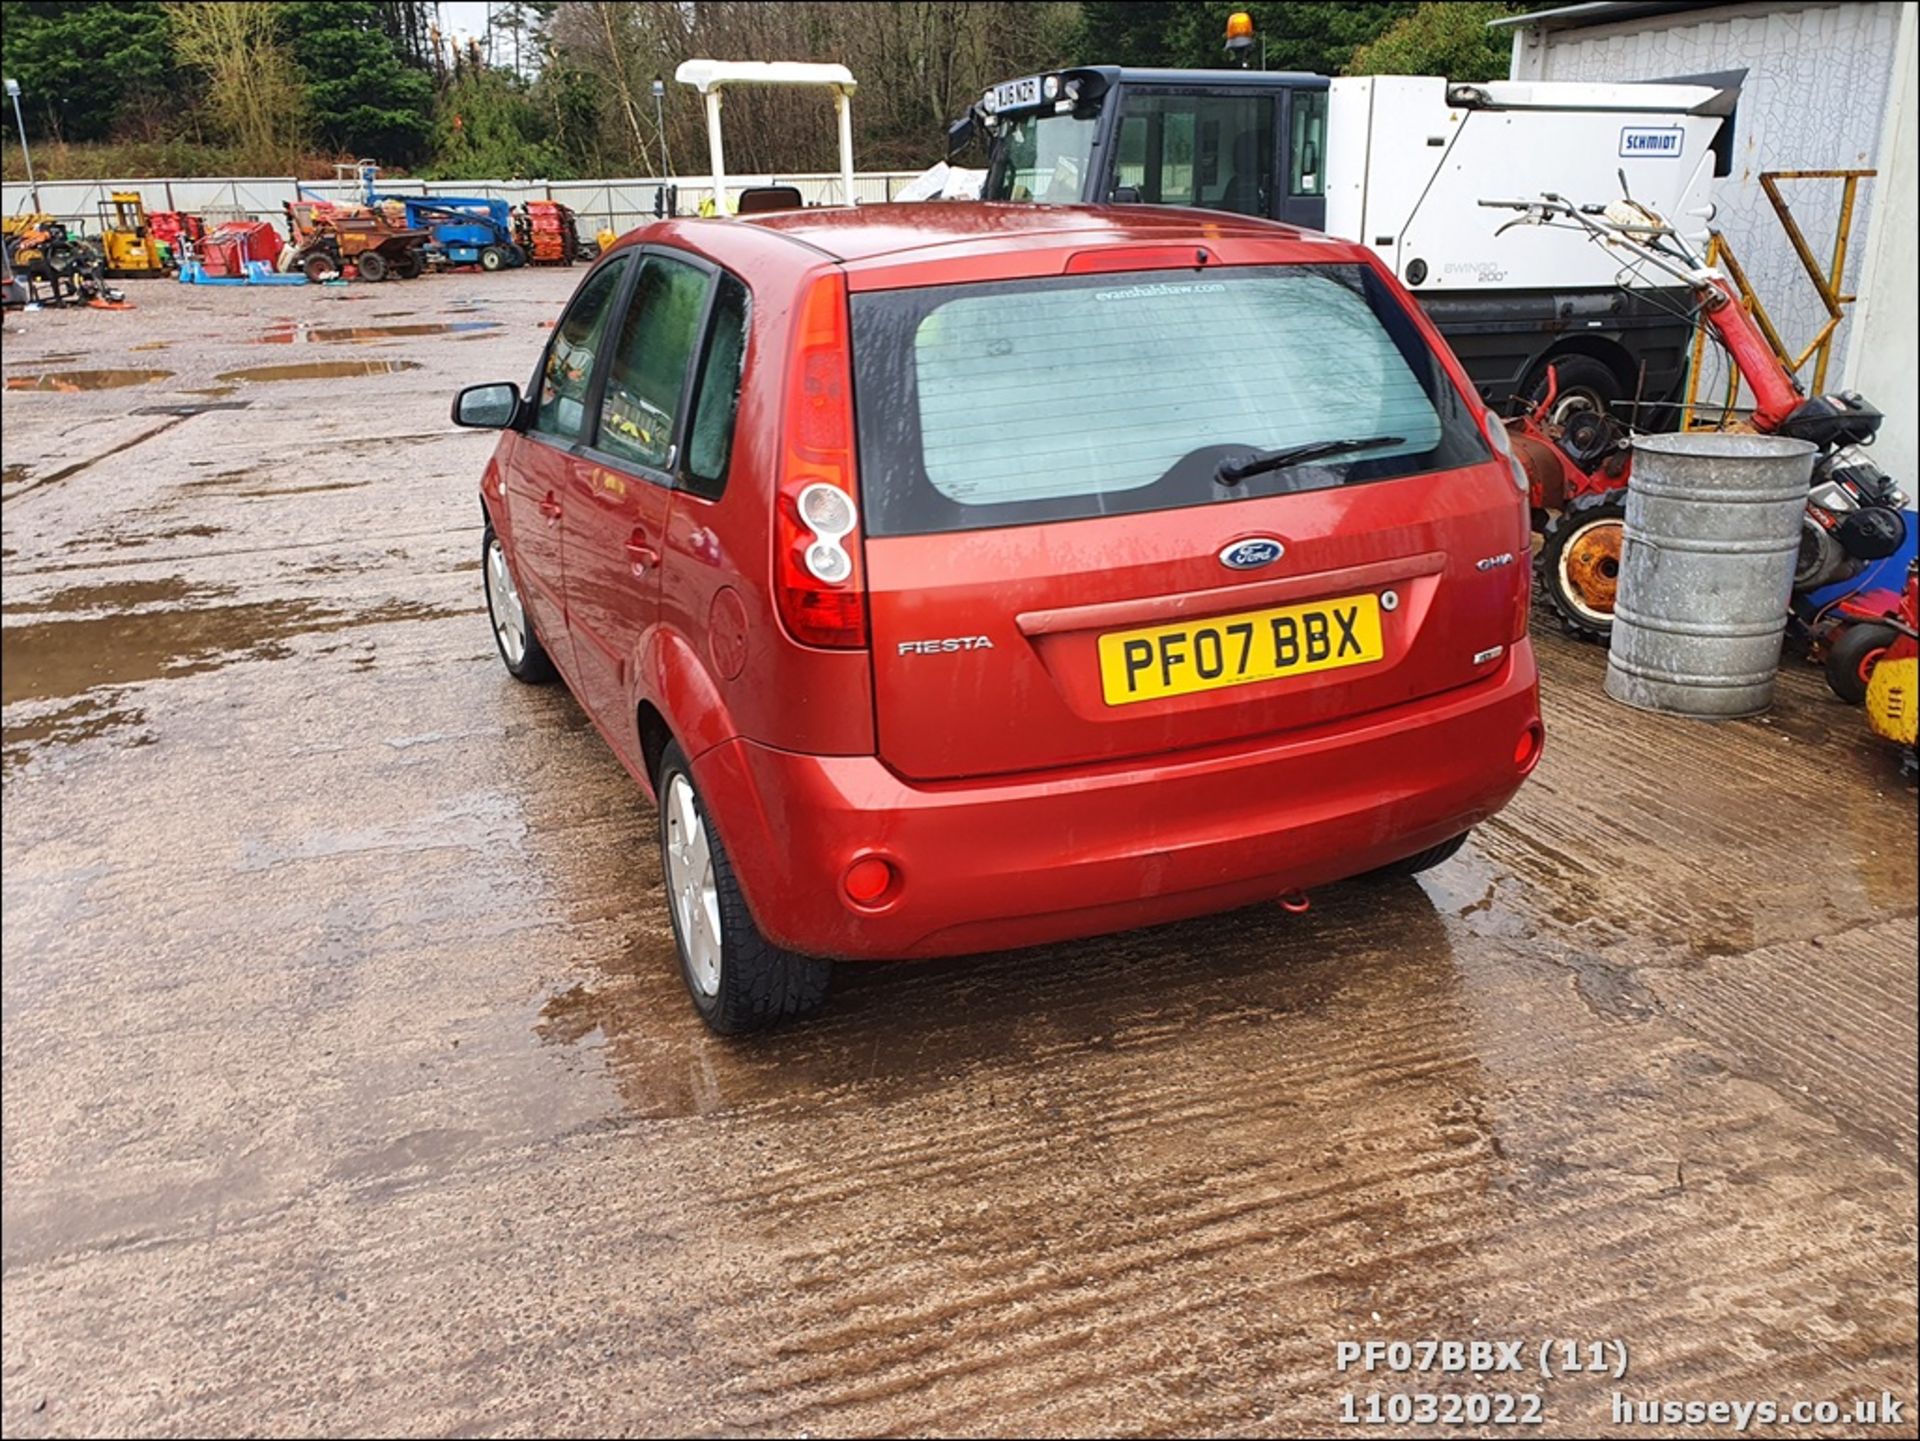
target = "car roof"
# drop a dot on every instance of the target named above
(903, 230)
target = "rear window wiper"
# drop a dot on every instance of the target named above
(1259, 462)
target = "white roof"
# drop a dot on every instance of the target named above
(705, 75)
(1576, 95)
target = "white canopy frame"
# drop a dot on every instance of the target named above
(712, 78)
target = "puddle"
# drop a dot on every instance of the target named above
(186, 410)
(365, 334)
(67, 381)
(128, 542)
(321, 370)
(227, 479)
(118, 595)
(306, 489)
(56, 659)
(84, 720)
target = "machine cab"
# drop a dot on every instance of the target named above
(1248, 141)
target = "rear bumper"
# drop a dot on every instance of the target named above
(1029, 859)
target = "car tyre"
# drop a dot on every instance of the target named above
(520, 650)
(492, 257)
(738, 980)
(1421, 860)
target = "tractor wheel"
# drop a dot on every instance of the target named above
(319, 267)
(373, 265)
(1852, 657)
(492, 257)
(516, 257)
(1579, 562)
(409, 265)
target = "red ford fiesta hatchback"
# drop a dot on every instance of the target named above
(962, 576)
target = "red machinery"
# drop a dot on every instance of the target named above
(170, 227)
(227, 248)
(546, 232)
(1579, 466)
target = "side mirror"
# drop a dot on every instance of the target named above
(960, 136)
(1126, 195)
(488, 407)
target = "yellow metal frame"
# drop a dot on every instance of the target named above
(1826, 284)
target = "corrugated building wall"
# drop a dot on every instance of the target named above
(1820, 93)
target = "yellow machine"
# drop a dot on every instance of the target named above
(14, 226)
(129, 247)
(1893, 700)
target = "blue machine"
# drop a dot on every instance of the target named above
(466, 229)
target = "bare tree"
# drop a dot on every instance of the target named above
(253, 91)
(918, 64)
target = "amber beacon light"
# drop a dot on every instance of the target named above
(1240, 35)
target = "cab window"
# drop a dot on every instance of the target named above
(1308, 151)
(641, 405)
(568, 371)
(1211, 151)
(1043, 158)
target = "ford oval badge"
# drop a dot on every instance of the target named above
(1251, 554)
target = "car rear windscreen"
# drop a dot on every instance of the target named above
(1015, 402)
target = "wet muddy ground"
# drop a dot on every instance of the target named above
(349, 1085)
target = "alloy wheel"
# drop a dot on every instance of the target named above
(504, 607)
(694, 896)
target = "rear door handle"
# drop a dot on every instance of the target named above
(550, 506)
(640, 555)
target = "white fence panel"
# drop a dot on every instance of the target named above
(617, 205)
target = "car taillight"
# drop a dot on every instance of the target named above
(1496, 433)
(817, 572)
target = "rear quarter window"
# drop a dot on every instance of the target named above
(1020, 402)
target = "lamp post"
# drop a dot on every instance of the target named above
(660, 125)
(13, 94)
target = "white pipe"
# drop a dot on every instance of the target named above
(843, 113)
(716, 155)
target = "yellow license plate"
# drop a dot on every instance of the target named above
(1164, 660)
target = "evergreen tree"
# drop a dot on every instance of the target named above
(362, 96)
(85, 68)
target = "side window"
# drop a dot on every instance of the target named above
(1213, 151)
(651, 353)
(1305, 174)
(710, 441)
(1176, 158)
(568, 372)
(1130, 156)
